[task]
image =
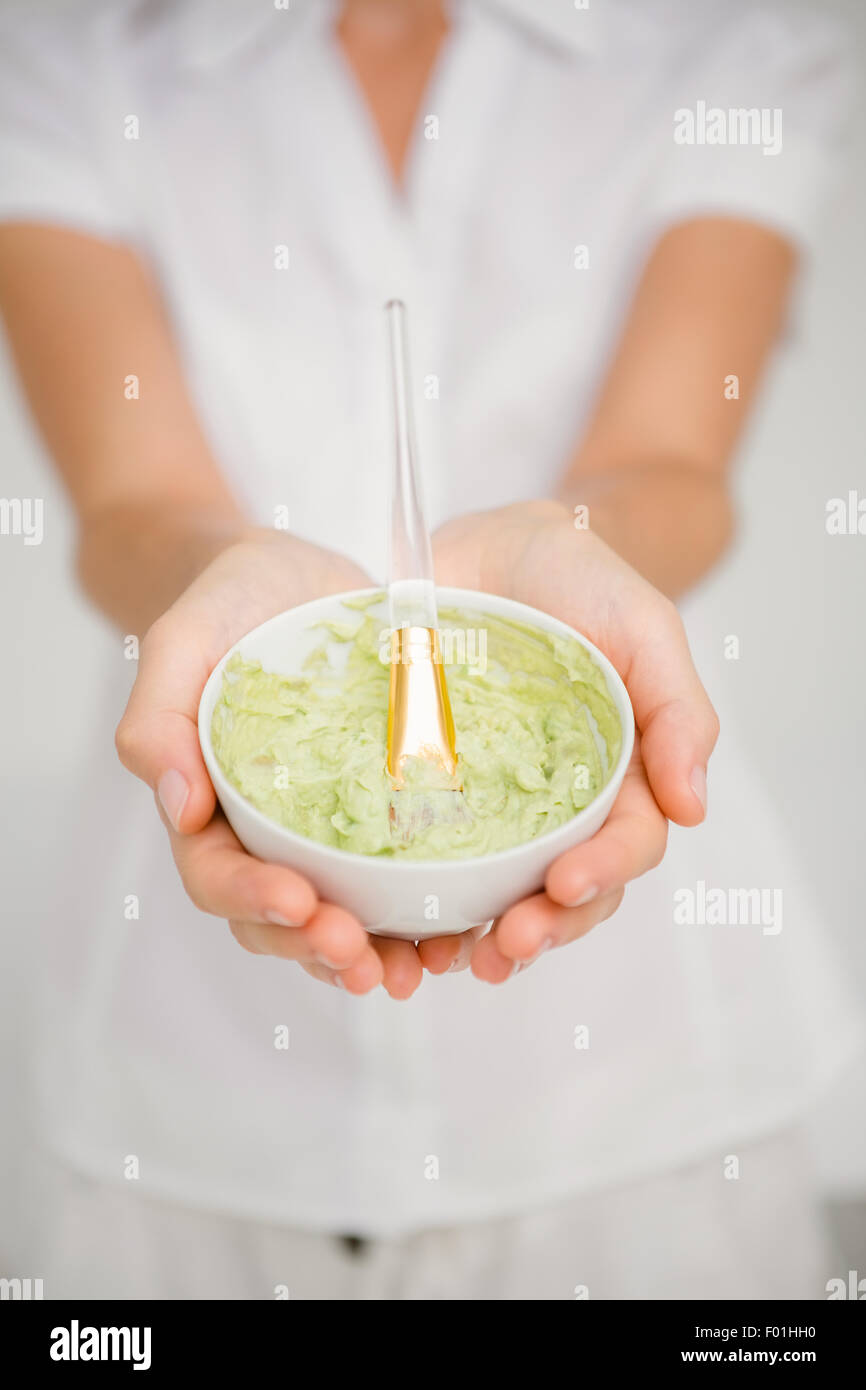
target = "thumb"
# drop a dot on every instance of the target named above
(157, 738)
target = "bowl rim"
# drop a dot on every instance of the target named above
(366, 862)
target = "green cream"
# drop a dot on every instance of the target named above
(309, 750)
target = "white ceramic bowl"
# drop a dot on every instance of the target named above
(393, 897)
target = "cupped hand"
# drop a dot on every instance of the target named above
(271, 909)
(531, 552)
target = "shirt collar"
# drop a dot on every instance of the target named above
(205, 33)
(560, 23)
(211, 29)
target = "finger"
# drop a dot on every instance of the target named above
(329, 939)
(678, 724)
(287, 943)
(361, 978)
(157, 738)
(221, 878)
(401, 965)
(631, 841)
(542, 921)
(440, 954)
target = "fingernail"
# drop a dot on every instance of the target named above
(279, 920)
(585, 897)
(698, 784)
(460, 961)
(173, 792)
(323, 960)
(518, 965)
(545, 946)
(339, 981)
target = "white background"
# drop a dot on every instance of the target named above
(792, 594)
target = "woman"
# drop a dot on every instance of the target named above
(204, 211)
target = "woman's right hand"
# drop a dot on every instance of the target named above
(154, 509)
(271, 909)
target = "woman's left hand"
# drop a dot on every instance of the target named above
(532, 552)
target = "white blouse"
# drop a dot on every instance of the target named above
(228, 143)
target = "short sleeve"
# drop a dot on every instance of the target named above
(56, 121)
(759, 112)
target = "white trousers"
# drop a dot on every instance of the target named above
(692, 1233)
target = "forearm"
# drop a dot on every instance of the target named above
(135, 559)
(672, 523)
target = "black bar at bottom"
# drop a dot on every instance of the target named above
(162, 1338)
